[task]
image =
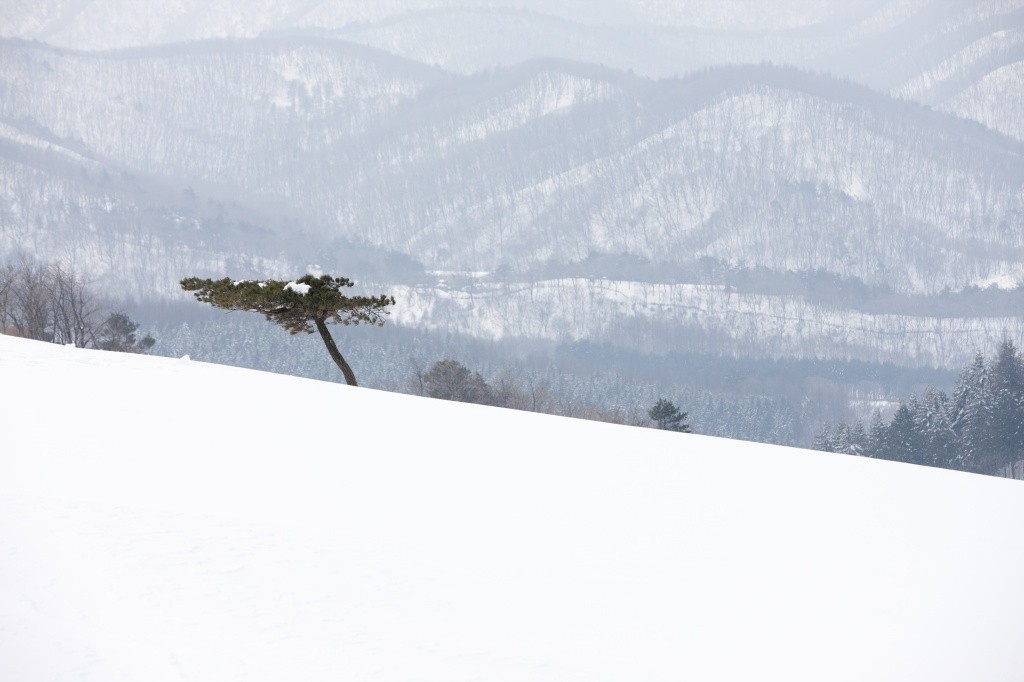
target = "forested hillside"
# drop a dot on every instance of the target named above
(979, 426)
(806, 182)
(546, 162)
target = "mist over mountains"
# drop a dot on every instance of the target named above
(962, 57)
(883, 43)
(785, 180)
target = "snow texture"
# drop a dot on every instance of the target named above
(134, 549)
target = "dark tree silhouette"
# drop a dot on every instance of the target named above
(303, 305)
(451, 380)
(979, 428)
(666, 416)
(118, 334)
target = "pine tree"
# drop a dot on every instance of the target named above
(842, 441)
(877, 435)
(1006, 388)
(666, 416)
(939, 439)
(902, 441)
(118, 334)
(823, 440)
(858, 439)
(970, 416)
(981, 428)
(303, 305)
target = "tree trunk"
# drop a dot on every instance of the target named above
(332, 349)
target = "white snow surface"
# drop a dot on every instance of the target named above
(300, 289)
(162, 520)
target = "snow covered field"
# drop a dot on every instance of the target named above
(164, 519)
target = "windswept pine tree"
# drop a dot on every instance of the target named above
(302, 305)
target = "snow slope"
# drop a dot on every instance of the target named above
(163, 519)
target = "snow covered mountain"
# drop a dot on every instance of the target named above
(141, 183)
(983, 81)
(260, 157)
(177, 527)
(546, 162)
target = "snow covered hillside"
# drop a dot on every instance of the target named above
(139, 163)
(162, 519)
(260, 157)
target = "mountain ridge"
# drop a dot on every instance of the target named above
(319, 146)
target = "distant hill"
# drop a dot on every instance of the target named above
(545, 162)
(928, 50)
(262, 157)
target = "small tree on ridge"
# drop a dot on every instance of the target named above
(303, 305)
(666, 416)
(451, 380)
(118, 334)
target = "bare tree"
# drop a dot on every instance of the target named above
(74, 310)
(53, 303)
(29, 311)
(6, 283)
(510, 391)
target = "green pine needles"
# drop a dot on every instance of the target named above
(302, 305)
(666, 416)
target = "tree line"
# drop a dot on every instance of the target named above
(979, 428)
(51, 302)
(449, 379)
(312, 301)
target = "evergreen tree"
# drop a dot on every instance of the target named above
(666, 416)
(451, 380)
(303, 305)
(970, 415)
(842, 441)
(938, 438)
(981, 428)
(823, 440)
(902, 441)
(118, 334)
(1006, 388)
(858, 439)
(877, 435)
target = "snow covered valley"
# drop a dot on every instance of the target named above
(164, 519)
